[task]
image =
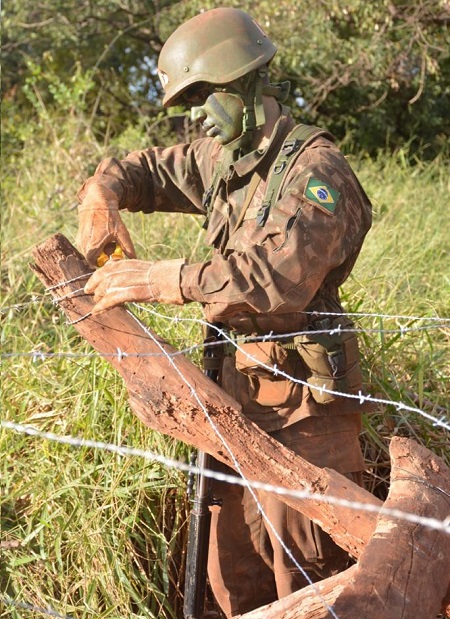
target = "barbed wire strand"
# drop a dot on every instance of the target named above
(37, 609)
(400, 406)
(148, 455)
(194, 347)
(236, 465)
(441, 422)
(191, 349)
(36, 299)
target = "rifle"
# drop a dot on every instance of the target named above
(200, 516)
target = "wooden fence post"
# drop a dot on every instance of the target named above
(170, 394)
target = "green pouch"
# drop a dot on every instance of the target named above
(331, 359)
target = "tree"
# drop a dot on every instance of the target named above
(378, 71)
(107, 47)
(376, 74)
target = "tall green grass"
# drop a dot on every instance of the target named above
(403, 271)
(90, 533)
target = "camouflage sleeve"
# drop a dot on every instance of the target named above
(310, 239)
(169, 179)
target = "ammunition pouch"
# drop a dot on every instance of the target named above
(263, 359)
(329, 353)
(331, 358)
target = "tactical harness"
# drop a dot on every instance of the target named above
(329, 348)
(297, 140)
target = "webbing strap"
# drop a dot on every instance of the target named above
(297, 140)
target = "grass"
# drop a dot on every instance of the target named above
(90, 533)
(402, 271)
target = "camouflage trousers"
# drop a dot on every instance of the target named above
(248, 566)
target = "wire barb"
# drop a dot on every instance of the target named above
(75, 322)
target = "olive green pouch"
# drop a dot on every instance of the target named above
(331, 357)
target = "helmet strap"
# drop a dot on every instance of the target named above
(260, 117)
(279, 90)
(254, 116)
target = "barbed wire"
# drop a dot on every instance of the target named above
(437, 323)
(119, 354)
(400, 406)
(427, 522)
(148, 455)
(194, 347)
(444, 320)
(361, 397)
(37, 609)
(40, 355)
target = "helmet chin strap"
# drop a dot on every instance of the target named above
(254, 116)
(279, 90)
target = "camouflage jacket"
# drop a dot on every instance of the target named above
(261, 278)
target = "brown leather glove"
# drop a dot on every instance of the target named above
(100, 223)
(129, 281)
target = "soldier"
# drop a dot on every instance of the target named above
(287, 218)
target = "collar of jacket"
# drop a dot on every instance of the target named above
(248, 162)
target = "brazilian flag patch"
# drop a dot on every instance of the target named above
(321, 194)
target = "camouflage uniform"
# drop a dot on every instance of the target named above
(260, 280)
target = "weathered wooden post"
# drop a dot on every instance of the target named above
(170, 394)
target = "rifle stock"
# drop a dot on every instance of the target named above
(200, 519)
(198, 542)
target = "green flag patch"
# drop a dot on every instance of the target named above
(322, 194)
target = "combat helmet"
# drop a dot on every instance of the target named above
(217, 46)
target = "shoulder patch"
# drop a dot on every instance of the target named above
(321, 194)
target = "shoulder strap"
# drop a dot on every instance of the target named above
(209, 196)
(297, 140)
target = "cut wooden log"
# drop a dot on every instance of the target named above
(404, 571)
(173, 396)
(311, 602)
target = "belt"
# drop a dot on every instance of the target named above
(228, 345)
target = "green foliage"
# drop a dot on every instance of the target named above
(378, 71)
(375, 72)
(112, 45)
(69, 97)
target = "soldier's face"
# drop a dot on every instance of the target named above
(221, 116)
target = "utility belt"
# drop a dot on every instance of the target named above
(329, 353)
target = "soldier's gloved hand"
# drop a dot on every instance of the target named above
(100, 223)
(129, 281)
